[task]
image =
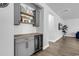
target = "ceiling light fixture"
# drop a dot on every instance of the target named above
(2, 5)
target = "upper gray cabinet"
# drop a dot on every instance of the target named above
(17, 16)
(27, 13)
(37, 15)
(36, 18)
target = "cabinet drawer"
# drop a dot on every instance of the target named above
(21, 40)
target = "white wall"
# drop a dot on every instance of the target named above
(24, 29)
(51, 27)
(6, 31)
(73, 26)
(55, 34)
(58, 33)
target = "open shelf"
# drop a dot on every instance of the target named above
(27, 14)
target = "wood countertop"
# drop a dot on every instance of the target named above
(18, 36)
(28, 34)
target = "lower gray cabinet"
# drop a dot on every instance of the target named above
(31, 47)
(24, 47)
(21, 48)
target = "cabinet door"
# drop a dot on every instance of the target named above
(17, 16)
(38, 42)
(36, 18)
(31, 47)
(22, 48)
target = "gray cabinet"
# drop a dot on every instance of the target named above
(21, 48)
(24, 47)
(36, 18)
(31, 46)
(36, 12)
(17, 16)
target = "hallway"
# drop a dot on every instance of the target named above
(63, 47)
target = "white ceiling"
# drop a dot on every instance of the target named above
(65, 10)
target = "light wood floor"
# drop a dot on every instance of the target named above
(63, 47)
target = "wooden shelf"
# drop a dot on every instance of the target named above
(27, 14)
(26, 17)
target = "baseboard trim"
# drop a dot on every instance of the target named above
(56, 39)
(52, 41)
(45, 47)
(69, 36)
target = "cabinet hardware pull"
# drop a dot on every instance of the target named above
(26, 44)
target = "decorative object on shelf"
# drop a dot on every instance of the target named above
(59, 26)
(26, 18)
(26, 14)
(2, 5)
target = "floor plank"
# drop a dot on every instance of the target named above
(63, 47)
